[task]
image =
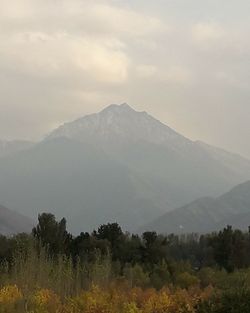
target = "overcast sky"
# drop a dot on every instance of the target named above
(187, 62)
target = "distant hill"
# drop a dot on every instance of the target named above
(116, 165)
(208, 214)
(13, 223)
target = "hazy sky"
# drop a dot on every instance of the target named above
(187, 62)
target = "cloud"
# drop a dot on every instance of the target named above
(213, 38)
(44, 55)
(170, 74)
(207, 32)
(146, 71)
(16, 10)
(124, 21)
(84, 39)
(82, 16)
(103, 60)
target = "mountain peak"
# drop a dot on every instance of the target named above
(124, 107)
(119, 123)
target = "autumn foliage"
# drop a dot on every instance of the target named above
(99, 300)
(108, 271)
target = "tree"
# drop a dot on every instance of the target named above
(149, 238)
(52, 234)
(111, 231)
(223, 247)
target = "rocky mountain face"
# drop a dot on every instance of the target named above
(119, 122)
(116, 165)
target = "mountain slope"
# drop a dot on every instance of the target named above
(10, 147)
(12, 222)
(117, 165)
(236, 163)
(208, 214)
(76, 181)
(176, 169)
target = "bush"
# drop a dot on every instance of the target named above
(186, 280)
(232, 301)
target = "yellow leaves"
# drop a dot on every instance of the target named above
(93, 301)
(131, 308)
(112, 300)
(10, 295)
(45, 300)
(158, 303)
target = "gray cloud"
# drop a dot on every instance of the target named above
(187, 63)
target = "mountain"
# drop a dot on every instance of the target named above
(12, 222)
(174, 169)
(10, 147)
(74, 180)
(208, 214)
(119, 123)
(116, 165)
(230, 160)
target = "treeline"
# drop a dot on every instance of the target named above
(110, 271)
(228, 249)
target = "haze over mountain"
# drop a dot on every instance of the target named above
(208, 214)
(116, 165)
(10, 147)
(12, 222)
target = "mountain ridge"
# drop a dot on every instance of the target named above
(208, 214)
(12, 222)
(120, 117)
(116, 165)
